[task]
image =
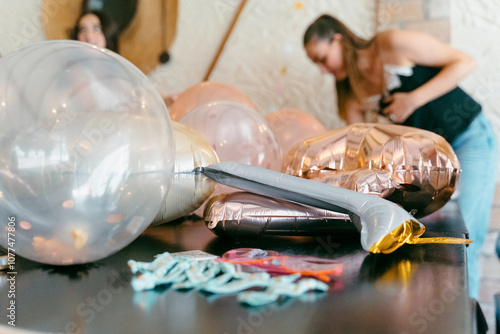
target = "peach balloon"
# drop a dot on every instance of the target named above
(292, 126)
(203, 93)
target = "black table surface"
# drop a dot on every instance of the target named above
(416, 289)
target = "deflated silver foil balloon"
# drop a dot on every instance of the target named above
(249, 214)
(383, 225)
(188, 190)
(415, 168)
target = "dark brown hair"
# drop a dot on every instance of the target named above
(323, 29)
(109, 29)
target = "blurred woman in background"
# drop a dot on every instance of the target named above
(411, 78)
(96, 28)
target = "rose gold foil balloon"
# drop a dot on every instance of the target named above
(415, 168)
(292, 126)
(188, 190)
(203, 93)
(374, 182)
(237, 133)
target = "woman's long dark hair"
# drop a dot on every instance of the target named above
(109, 29)
(323, 29)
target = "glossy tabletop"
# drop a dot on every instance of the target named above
(416, 289)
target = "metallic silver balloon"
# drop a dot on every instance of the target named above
(86, 152)
(188, 190)
(384, 226)
(415, 168)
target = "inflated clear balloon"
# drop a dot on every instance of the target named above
(415, 168)
(237, 133)
(86, 152)
(189, 190)
(206, 92)
(293, 126)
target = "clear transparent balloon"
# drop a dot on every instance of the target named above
(86, 152)
(237, 133)
(189, 190)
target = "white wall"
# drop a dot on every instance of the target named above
(263, 57)
(475, 29)
(20, 24)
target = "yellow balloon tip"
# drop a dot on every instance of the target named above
(409, 232)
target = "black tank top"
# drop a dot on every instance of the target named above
(448, 115)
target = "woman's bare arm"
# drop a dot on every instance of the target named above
(414, 48)
(354, 112)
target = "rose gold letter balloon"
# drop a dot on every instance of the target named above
(292, 126)
(415, 168)
(203, 93)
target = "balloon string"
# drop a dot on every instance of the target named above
(440, 240)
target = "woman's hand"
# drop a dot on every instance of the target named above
(401, 106)
(409, 48)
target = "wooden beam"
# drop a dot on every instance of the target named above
(221, 47)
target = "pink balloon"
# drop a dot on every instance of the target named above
(203, 93)
(237, 133)
(292, 126)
